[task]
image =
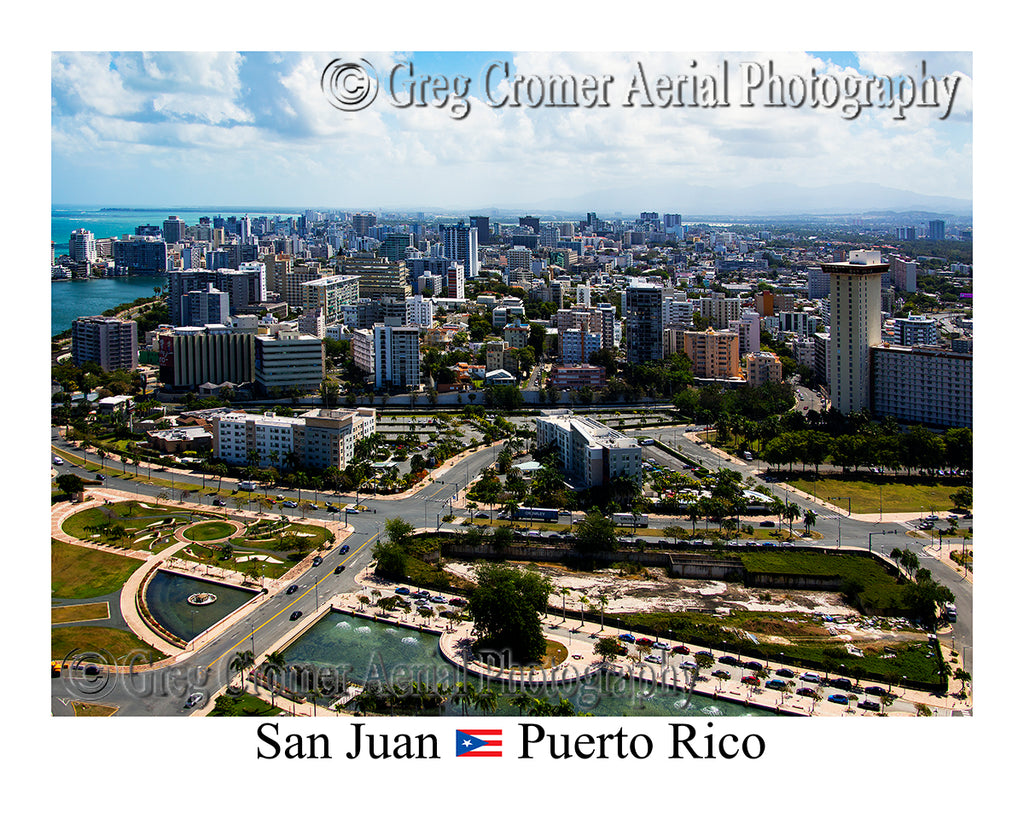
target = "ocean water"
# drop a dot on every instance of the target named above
(90, 297)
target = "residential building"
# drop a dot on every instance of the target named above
(922, 385)
(460, 245)
(319, 439)
(396, 352)
(763, 366)
(856, 315)
(591, 453)
(904, 274)
(517, 333)
(329, 294)
(644, 317)
(206, 306)
(455, 281)
(378, 277)
(362, 350)
(109, 342)
(916, 331)
(82, 246)
(574, 377)
(578, 345)
(714, 355)
(140, 256)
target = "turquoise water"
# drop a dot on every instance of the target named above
(90, 297)
(357, 650)
(167, 598)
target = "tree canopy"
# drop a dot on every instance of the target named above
(505, 607)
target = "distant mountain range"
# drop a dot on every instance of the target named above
(767, 199)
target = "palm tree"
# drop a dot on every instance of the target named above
(274, 663)
(465, 694)
(487, 700)
(962, 676)
(602, 598)
(240, 662)
(522, 701)
(809, 520)
(792, 513)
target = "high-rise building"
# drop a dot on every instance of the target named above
(140, 257)
(455, 282)
(394, 246)
(174, 230)
(483, 228)
(82, 246)
(205, 306)
(362, 222)
(856, 316)
(531, 222)
(329, 294)
(378, 277)
(922, 385)
(817, 283)
(915, 331)
(937, 229)
(904, 274)
(109, 342)
(396, 353)
(460, 245)
(714, 355)
(190, 356)
(644, 316)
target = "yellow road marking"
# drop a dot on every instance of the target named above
(296, 600)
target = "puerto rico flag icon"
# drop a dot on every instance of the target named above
(478, 743)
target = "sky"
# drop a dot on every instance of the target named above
(191, 128)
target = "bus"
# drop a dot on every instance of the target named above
(628, 519)
(535, 513)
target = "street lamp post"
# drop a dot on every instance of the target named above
(839, 538)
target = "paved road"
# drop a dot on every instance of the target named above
(163, 692)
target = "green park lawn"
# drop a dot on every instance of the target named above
(80, 572)
(118, 644)
(211, 530)
(896, 494)
(79, 612)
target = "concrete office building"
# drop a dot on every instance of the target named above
(396, 353)
(288, 361)
(856, 314)
(190, 356)
(591, 453)
(109, 342)
(206, 306)
(140, 256)
(644, 316)
(378, 277)
(922, 385)
(817, 283)
(174, 230)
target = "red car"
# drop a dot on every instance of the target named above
(750, 679)
(644, 641)
(680, 650)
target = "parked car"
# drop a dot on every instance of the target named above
(728, 660)
(839, 699)
(295, 615)
(219, 502)
(842, 684)
(402, 590)
(290, 504)
(627, 638)
(703, 654)
(753, 665)
(680, 650)
(805, 692)
(778, 685)
(644, 641)
(722, 674)
(332, 508)
(785, 672)
(875, 691)
(658, 644)
(869, 705)
(750, 679)
(437, 598)
(653, 658)
(811, 677)
(422, 594)
(456, 601)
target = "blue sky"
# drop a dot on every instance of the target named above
(255, 128)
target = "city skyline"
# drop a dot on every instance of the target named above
(194, 128)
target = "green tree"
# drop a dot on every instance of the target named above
(606, 648)
(505, 607)
(398, 531)
(71, 485)
(596, 533)
(242, 661)
(963, 498)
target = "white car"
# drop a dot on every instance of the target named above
(58, 461)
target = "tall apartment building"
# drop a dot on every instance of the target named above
(714, 355)
(762, 366)
(904, 274)
(856, 314)
(591, 453)
(362, 222)
(644, 316)
(174, 230)
(937, 229)
(329, 294)
(719, 309)
(290, 282)
(817, 283)
(482, 224)
(922, 385)
(109, 342)
(455, 281)
(578, 345)
(396, 353)
(206, 306)
(519, 258)
(288, 361)
(419, 311)
(362, 350)
(190, 356)
(460, 245)
(748, 328)
(82, 246)
(320, 439)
